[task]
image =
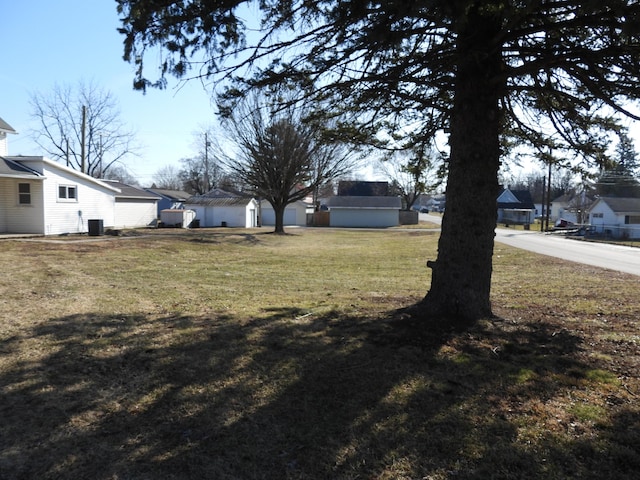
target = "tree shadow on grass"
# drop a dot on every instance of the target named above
(297, 395)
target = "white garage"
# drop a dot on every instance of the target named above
(294, 214)
(219, 208)
(134, 207)
(374, 212)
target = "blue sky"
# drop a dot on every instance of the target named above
(45, 42)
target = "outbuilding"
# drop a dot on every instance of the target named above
(221, 208)
(364, 211)
(134, 207)
(177, 217)
(294, 214)
(169, 199)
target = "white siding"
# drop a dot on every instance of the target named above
(294, 214)
(71, 216)
(608, 216)
(611, 223)
(4, 199)
(361, 217)
(16, 218)
(172, 217)
(230, 216)
(4, 149)
(135, 213)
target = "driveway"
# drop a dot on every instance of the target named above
(613, 257)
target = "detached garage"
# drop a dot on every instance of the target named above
(294, 214)
(220, 208)
(134, 207)
(374, 212)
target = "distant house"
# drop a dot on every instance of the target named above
(364, 211)
(616, 217)
(134, 207)
(169, 199)
(570, 207)
(40, 196)
(294, 214)
(220, 208)
(358, 188)
(515, 207)
(432, 203)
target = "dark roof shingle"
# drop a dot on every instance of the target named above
(622, 204)
(364, 202)
(128, 191)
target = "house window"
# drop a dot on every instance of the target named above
(598, 215)
(631, 219)
(67, 193)
(24, 194)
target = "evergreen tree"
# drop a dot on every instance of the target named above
(619, 179)
(551, 73)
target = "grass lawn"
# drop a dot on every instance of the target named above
(238, 354)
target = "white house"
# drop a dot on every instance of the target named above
(362, 211)
(571, 207)
(294, 214)
(40, 196)
(134, 207)
(220, 208)
(516, 207)
(616, 217)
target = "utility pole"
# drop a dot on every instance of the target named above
(206, 161)
(548, 196)
(544, 204)
(100, 153)
(83, 160)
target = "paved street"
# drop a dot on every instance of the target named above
(615, 257)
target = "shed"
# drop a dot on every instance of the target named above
(177, 217)
(169, 199)
(221, 208)
(364, 211)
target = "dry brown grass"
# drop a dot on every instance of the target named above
(229, 354)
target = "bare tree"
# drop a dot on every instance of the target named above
(81, 126)
(411, 173)
(121, 174)
(204, 171)
(168, 178)
(280, 157)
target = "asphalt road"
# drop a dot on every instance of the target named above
(614, 257)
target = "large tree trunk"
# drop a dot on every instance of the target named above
(461, 277)
(279, 213)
